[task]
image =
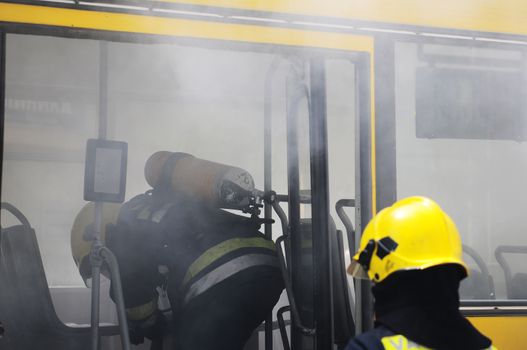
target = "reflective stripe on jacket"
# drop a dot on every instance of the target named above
(222, 249)
(382, 338)
(227, 270)
(200, 245)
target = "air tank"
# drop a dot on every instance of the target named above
(220, 185)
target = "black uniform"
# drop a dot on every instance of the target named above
(223, 278)
(419, 309)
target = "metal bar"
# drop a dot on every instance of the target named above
(494, 312)
(287, 280)
(512, 249)
(103, 89)
(293, 98)
(268, 176)
(2, 102)
(275, 325)
(350, 231)
(285, 230)
(16, 213)
(283, 219)
(364, 299)
(95, 302)
(96, 275)
(97, 223)
(286, 272)
(357, 283)
(494, 303)
(385, 145)
(296, 317)
(303, 198)
(281, 326)
(323, 303)
(293, 176)
(118, 293)
(268, 170)
(95, 259)
(349, 300)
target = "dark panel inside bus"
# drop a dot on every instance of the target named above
(461, 103)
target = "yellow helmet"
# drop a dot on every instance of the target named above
(413, 234)
(80, 246)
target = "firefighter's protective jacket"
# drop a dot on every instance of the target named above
(201, 246)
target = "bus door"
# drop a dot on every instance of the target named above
(321, 143)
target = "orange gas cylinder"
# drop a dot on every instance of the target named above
(218, 184)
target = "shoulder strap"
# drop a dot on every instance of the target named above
(137, 207)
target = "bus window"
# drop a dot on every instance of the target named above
(161, 97)
(460, 139)
(51, 109)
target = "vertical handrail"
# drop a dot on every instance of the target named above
(363, 180)
(273, 199)
(95, 259)
(96, 263)
(2, 102)
(323, 289)
(268, 229)
(297, 91)
(296, 320)
(99, 253)
(103, 89)
(281, 326)
(117, 288)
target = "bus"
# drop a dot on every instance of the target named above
(336, 108)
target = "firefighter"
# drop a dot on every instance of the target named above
(412, 253)
(221, 274)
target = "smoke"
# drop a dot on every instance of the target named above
(459, 126)
(203, 101)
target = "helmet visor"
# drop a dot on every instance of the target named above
(356, 270)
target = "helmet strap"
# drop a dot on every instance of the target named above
(366, 254)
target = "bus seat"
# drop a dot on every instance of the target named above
(519, 286)
(342, 317)
(479, 284)
(342, 302)
(27, 313)
(476, 286)
(516, 284)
